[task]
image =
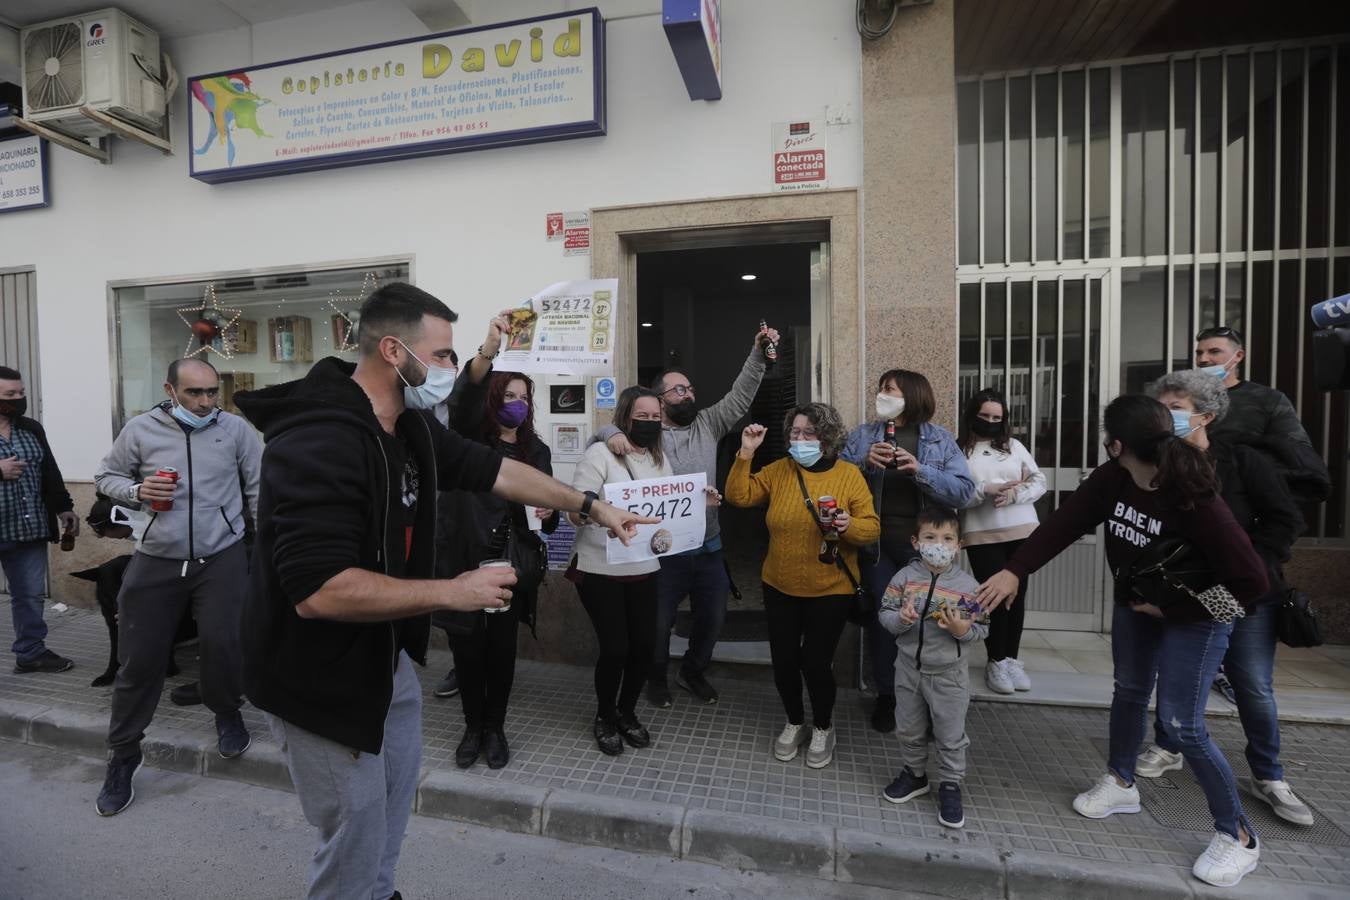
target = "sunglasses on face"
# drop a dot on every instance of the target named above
(1223, 331)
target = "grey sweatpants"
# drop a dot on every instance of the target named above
(359, 802)
(154, 594)
(944, 696)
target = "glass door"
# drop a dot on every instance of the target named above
(1039, 341)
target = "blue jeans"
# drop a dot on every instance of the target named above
(1250, 666)
(1182, 659)
(881, 645)
(25, 565)
(703, 577)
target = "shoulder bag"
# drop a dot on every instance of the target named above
(863, 605)
(1169, 572)
(1296, 622)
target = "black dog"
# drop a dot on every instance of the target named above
(107, 579)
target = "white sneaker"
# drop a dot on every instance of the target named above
(1225, 860)
(998, 677)
(821, 751)
(1155, 760)
(1018, 674)
(791, 738)
(1106, 798)
(1283, 801)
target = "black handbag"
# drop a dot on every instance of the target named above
(863, 605)
(1169, 572)
(1296, 622)
(528, 557)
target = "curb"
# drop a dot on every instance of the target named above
(940, 868)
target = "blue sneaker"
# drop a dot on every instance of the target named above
(949, 805)
(906, 786)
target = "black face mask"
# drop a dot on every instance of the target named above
(644, 433)
(986, 429)
(14, 408)
(682, 413)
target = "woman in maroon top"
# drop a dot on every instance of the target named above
(1156, 486)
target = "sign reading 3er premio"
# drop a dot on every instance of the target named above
(679, 501)
(520, 82)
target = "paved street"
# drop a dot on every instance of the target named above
(709, 788)
(204, 838)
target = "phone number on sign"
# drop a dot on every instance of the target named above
(31, 191)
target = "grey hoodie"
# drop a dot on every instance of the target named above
(693, 448)
(924, 644)
(218, 469)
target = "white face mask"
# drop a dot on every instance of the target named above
(889, 406)
(433, 390)
(939, 556)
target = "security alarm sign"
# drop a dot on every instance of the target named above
(799, 155)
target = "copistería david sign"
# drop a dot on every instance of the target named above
(519, 82)
(679, 501)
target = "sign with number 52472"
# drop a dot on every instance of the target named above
(679, 501)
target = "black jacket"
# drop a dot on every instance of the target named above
(1263, 418)
(330, 500)
(1261, 504)
(55, 497)
(466, 521)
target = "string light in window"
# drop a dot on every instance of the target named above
(210, 322)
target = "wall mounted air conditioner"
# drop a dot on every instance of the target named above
(105, 60)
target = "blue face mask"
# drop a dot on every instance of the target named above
(1181, 422)
(433, 390)
(806, 453)
(192, 420)
(1218, 371)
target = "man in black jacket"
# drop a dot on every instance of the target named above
(342, 574)
(33, 500)
(1261, 416)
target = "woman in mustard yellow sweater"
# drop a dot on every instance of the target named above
(806, 597)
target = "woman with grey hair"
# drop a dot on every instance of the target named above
(1263, 506)
(819, 513)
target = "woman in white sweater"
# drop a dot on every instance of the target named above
(619, 598)
(1001, 516)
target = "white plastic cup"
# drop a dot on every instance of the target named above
(497, 564)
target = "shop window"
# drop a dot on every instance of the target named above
(256, 329)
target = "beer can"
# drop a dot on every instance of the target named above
(827, 506)
(164, 472)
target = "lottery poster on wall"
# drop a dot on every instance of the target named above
(565, 329)
(679, 501)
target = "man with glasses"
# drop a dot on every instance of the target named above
(689, 438)
(191, 553)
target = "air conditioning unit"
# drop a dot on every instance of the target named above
(105, 60)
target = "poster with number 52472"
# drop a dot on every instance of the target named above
(679, 501)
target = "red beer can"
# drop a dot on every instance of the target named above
(827, 507)
(165, 505)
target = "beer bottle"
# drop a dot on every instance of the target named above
(766, 346)
(893, 441)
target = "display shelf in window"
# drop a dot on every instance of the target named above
(290, 339)
(230, 384)
(243, 336)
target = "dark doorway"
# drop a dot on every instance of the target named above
(696, 312)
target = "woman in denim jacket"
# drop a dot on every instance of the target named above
(926, 467)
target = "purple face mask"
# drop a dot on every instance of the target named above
(513, 413)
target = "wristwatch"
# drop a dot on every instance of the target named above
(587, 499)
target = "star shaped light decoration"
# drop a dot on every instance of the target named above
(347, 309)
(210, 321)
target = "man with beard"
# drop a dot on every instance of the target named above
(689, 438)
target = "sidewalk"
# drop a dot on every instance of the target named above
(710, 790)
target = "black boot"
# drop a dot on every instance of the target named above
(607, 736)
(632, 731)
(658, 692)
(495, 748)
(470, 746)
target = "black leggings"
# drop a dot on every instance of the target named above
(803, 635)
(485, 663)
(624, 616)
(1005, 625)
